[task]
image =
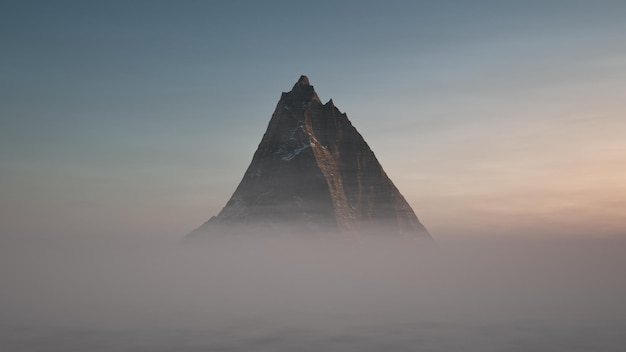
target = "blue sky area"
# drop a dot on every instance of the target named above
(495, 118)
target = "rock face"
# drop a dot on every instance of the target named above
(314, 173)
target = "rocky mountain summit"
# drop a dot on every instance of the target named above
(314, 173)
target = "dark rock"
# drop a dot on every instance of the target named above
(314, 173)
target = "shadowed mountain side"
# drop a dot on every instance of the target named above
(314, 173)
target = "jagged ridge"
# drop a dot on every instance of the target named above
(313, 171)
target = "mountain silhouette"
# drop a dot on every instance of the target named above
(314, 173)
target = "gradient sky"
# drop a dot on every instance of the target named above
(139, 117)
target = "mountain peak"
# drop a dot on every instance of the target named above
(303, 91)
(313, 173)
(303, 81)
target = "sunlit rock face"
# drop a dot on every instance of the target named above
(313, 172)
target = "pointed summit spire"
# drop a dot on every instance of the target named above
(303, 91)
(303, 81)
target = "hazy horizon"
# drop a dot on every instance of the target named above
(139, 117)
(293, 293)
(125, 125)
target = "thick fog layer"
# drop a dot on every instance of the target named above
(283, 294)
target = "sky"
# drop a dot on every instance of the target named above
(498, 118)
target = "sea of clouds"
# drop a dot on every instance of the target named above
(295, 294)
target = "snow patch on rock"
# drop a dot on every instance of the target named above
(295, 152)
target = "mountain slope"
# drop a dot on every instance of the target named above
(314, 172)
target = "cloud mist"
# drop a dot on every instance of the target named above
(281, 294)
